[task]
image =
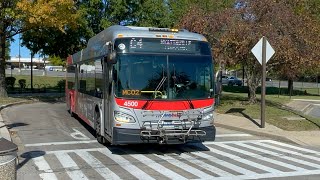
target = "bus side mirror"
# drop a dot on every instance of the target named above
(111, 58)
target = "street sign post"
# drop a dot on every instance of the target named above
(263, 52)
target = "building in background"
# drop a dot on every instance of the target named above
(25, 63)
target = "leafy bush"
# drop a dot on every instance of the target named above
(10, 81)
(61, 83)
(22, 83)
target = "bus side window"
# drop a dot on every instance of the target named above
(83, 86)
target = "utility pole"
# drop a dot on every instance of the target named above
(31, 72)
(19, 54)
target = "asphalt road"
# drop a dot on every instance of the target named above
(52, 145)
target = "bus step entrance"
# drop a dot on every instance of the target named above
(170, 132)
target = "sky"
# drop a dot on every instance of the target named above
(14, 49)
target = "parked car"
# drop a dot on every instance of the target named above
(231, 81)
(268, 79)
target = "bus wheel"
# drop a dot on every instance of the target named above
(97, 118)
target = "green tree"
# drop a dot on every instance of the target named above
(97, 15)
(17, 16)
(57, 61)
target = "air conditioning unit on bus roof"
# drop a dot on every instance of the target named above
(156, 29)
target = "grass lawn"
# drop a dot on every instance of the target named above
(39, 80)
(40, 84)
(9, 100)
(236, 104)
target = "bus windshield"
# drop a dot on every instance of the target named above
(167, 77)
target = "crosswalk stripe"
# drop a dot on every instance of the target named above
(61, 143)
(240, 159)
(275, 175)
(71, 167)
(185, 166)
(294, 147)
(48, 176)
(233, 135)
(125, 164)
(97, 165)
(42, 165)
(221, 162)
(189, 162)
(289, 151)
(157, 167)
(230, 142)
(206, 166)
(281, 156)
(263, 159)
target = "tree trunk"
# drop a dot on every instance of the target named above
(290, 86)
(253, 78)
(252, 94)
(3, 91)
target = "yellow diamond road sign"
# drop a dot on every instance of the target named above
(257, 51)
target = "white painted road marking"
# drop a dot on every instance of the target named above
(233, 135)
(95, 141)
(157, 167)
(125, 164)
(61, 143)
(71, 167)
(97, 165)
(215, 161)
(78, 135)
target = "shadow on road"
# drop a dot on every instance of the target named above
(13, 125)
(240, 111)
(27, 156)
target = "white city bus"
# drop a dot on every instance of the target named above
(143, 85)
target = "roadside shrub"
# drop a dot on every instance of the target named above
(10, 81)
(61, 83)
(22, 83)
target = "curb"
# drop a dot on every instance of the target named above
(4, 132)
(274, 136)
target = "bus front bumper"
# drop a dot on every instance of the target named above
(133, 136)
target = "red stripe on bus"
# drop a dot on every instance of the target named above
(82, 117)
(164, 105)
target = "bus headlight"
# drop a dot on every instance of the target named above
(208, 117)
(124, 118)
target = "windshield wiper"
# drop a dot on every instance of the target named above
(186, 98)
(155, 91)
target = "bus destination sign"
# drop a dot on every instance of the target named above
(157, 45)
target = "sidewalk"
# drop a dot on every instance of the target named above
(3, 128)
(306, 138)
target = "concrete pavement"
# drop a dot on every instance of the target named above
(306, 106)
(305, 138)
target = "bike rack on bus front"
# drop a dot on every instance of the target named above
(167, 130)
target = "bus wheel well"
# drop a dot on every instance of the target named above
(96, 109)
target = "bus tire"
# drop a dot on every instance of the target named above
(97, 126)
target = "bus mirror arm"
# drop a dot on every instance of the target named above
(111, 58)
